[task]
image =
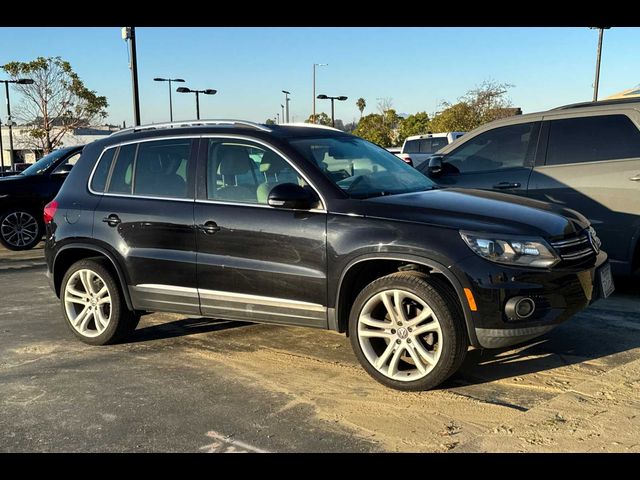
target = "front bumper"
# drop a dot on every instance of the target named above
(558, 294)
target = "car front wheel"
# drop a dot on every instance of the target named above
(20, 229)
(407, 331)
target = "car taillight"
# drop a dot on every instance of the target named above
(50, 210)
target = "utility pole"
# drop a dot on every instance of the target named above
(286, 104)
(1, 148)
(129, 33)
(597, 82)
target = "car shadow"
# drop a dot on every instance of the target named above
(181, 328)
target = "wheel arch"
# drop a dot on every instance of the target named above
(380, 265)
(71, 253)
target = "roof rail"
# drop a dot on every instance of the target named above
(615, 101)
(193, 123)
(310, 125)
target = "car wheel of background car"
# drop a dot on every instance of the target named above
(407, 331)
(93, 304)
(20, 229)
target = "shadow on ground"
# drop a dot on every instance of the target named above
(181, 328)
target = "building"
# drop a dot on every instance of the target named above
(24, 152)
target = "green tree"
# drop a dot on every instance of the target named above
(57, 102)
(361, 103)
(372, 127)
(321, 119)
(415, 124)
(270, 121)
(456, 118)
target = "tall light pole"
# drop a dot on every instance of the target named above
(208, 91)
(19, 81)
(597, 82)
(286, 104)
(282, 109)
(278, 116)
(169, 80)
(341, 98)
(1, 147)
(314, 87)
(129, 33)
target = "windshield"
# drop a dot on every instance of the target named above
(45, 162)
(360, 168)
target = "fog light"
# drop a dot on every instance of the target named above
(519, 308)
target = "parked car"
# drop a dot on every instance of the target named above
(397, 152)
(310, 226)
(417, 148)
(583, 156)
(23, 195)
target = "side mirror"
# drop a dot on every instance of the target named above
(290, 195)
(435, 166)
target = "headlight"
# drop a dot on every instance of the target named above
(511, 249)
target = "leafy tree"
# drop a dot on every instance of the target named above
(480, 105)
(361, 103)
(321, 119)
(415, 124)
(270, 121)
(56, 103)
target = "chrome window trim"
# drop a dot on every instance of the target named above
(129, 142)
(221, 202)
(278, 152)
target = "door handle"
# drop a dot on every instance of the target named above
(506, 185)
(112, 220)
(209, 227)
(635, 178)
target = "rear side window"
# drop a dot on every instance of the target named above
(99, 179)
(411, 146)
(122, 172)
(161, 168)
(590, 139)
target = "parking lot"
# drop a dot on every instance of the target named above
(204, 385)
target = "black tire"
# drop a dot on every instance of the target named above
(122, 321)
(9, 242)
(446, 306)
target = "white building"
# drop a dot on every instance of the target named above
(23, 151)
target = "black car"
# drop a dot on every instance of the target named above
(311, 226)
(23, 196)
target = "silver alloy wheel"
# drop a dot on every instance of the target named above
(400, 335)
(87, 301)
(19, 229)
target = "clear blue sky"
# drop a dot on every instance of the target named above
(417, 68)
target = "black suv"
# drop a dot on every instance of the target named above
(23, 196)
(307, 225)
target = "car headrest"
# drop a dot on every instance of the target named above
(272, 163)
(234, 160)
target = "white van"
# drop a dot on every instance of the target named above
(418, 148)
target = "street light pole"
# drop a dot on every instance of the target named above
(341, 98)
(20, 81)
(597, 82)
(1, 147)
(282, 108)
(286, 104)
(170, 100)
(278, 115)
(314, 87)
(129, 33)
(197, 105)
(208, 91)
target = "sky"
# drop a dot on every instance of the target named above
(416, 67)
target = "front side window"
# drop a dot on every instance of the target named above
(592, 139)
(360, 168)
(161, 168)
(243, 172)
(497, 149)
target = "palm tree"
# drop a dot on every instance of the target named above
(361, 104)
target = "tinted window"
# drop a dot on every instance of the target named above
(360, 168)
(432, 145)
(99, 179)
(71, 161)
(504, 147)
(591, 139)
(45, 162)
(411, 146)
(161, 168)
(122, 174)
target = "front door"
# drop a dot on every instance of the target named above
(256, 262)
(500, 159)
(146, 215)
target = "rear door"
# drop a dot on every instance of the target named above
(500, 159)
(146, 217)
(592, 164)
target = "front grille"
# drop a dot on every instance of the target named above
(574, 249)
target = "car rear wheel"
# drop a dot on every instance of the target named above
(407, 331)
(20, 229)
(93, 305)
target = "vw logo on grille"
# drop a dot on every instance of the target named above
(593, 239)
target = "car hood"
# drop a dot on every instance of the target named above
(478, 210)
